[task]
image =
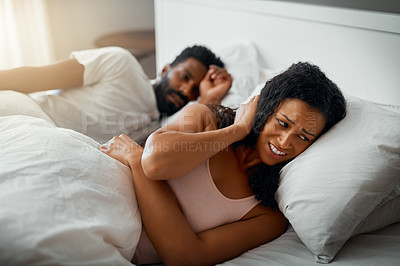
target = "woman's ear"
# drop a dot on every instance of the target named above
(165, 69)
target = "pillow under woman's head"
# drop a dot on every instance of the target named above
(337, 182)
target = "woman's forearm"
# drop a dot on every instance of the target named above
(172, 154)
(194, 137)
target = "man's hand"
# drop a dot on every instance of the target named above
(214, 85)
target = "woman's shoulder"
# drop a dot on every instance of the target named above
(199, 112)
(217, 114)
(194, 117)
(199, 107)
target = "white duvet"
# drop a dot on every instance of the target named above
(62, 201)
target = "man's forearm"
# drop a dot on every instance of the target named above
(65, 74)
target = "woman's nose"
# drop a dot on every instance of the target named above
(285, 139)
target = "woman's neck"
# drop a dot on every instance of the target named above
(247, 157)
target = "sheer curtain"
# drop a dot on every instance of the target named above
(25, 37)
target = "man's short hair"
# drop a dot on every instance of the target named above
(201, 53)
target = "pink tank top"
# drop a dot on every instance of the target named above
(203, 205)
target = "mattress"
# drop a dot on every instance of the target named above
(376, 248)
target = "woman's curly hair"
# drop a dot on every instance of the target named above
(303, 81)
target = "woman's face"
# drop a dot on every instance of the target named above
(289, 131)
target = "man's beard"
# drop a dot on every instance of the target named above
(162, 90)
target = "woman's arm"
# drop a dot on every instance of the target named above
(182, 145)
(61, 75)
(177, 243)
(171, 234)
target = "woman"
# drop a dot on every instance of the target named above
(223, 172)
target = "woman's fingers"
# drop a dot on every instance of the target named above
(129, 143)
(123, 149)
(246, 113)
(120, 140)
(106, 146)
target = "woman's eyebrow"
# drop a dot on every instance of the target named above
(291, 121)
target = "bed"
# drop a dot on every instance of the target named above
(341, 196)
(330, 195)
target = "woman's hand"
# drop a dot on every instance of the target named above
(123, 149)
(245, 115)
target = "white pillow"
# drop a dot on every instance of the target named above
(62, 200)
(333, 186)
(386, 213)
(243, 63)
(16, 103)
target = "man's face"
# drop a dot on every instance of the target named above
(179, 85)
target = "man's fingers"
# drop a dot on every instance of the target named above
(222, 77)
(208, 75)
(215, 67)
(216, 71)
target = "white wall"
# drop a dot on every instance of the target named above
(76, 24)
(357, 49)
(390, 6)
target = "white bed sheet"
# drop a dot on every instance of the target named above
(381, 247)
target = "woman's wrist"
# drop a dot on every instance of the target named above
(133, 162)
(238, 132)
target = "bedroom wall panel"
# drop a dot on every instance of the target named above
(358, 49)
(75, 25)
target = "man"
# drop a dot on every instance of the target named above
(104, 92)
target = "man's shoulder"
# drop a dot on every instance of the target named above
(106, 55)
(105, 50)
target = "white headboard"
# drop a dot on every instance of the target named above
(359, 50)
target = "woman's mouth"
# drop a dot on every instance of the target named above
(274, 150)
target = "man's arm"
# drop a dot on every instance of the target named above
(61, 75)
(214, 85)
